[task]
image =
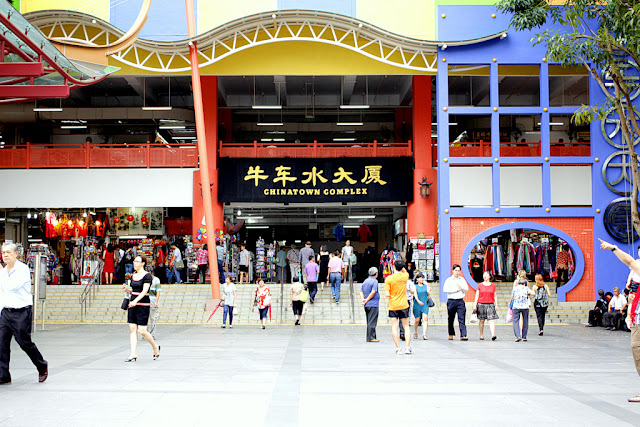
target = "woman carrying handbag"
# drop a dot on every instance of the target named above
(485, 305)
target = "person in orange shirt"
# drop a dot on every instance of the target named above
(395, 286)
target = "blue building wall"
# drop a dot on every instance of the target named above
(342, 7)
(515, 49)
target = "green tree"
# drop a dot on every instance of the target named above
(601, 36)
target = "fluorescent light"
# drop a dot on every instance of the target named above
(297, 241)
(3, 219)
(257, 227)
(46, 109)
(35, 240)
(250, 217)
(73, 127)
(278, 139)
(270, 124)
(361, 216)
(267, 107)
(351, 226)
(354, 107)
(265, 139)
(349, 123)
(172, 127)
(185, 137)
(131, 237)
(276, 132)
(553, 124)
(156, 108)
(450, 124)
(344, 139)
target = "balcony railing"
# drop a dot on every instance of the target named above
(519, 149)
(147, 155)
(315, 149)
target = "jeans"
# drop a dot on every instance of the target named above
(456, 306)
(540, 314)
(220, 271)
(202, 269)
(295, 270)
(154, 313)
(525, 322)
(313, 289)
(336, 281)
(372, 322)
(228, 309)
(128, 269)
(173, 272)
(118, 273)
(17, 323)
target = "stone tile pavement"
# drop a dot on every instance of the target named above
(322, 376)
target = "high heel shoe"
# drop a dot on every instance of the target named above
(131, 359)
(156, 356)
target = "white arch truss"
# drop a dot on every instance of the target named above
(76, 28)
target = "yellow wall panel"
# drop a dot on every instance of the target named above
(410, 18)
(290, 58)
(99, 8)
(213, 13)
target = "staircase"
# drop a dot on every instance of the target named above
(186, 304)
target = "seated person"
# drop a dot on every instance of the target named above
(616, 305)
(595, 315)
(622, 322)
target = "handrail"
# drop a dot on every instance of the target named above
(353, 307)
(89, 290)
(282, 273)
(315, 149)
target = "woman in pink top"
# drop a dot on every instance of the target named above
(335, 274)
(485, 305)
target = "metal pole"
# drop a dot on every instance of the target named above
(36, 275)
(282, 295)
(353, 307)
(43, 312)
(202, 151)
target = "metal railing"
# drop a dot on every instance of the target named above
(353, 306)
(89, 291)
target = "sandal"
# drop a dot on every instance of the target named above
(634, 399)
(424, 337)
(415, 336)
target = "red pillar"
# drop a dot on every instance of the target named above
(422, 214)
(210, 107)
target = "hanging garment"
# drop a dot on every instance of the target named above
(338, 231)
(363, 233)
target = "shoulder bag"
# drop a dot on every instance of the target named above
(125, 303)
(179, 265)
(430, 302)
(304, 295)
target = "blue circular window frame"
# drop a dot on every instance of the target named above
(579, 256)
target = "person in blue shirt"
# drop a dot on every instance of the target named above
(371, 302)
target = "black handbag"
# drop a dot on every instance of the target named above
(430, 302)
(125, 303)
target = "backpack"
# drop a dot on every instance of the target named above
(128, 257)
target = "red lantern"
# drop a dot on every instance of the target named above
(129, 217)
(116, 220)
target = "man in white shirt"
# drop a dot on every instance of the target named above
(616, 305)
(455, 287)
(16, 314)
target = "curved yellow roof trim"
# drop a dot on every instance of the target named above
(77, 31)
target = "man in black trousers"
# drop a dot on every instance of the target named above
(16, 314)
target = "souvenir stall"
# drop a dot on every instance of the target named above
(265, 261)
(425, 256)
(52, 261)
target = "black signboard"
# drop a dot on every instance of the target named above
(309, 180)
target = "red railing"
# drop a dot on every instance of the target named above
(518, 149)
(315, 149)
(98, 156)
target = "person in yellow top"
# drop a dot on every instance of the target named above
(395, 287)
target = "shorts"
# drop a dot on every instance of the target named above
(297, 307)
(400, 314)
(244, 268)
(264, 312)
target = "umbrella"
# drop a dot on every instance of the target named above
(236, 227)
(213, 312)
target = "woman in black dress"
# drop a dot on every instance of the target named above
(323, 260)
(138, 313)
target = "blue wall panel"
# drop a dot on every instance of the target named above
(342, 7)
(166, 21)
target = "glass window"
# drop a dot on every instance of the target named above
(519, 85)
(568, 139)
(469, 85)
(469, 135)
(571, 185)
(471, 186)
(568, 86)
(521, 186)
(520, 135)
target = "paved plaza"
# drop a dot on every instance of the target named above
(323, 376)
